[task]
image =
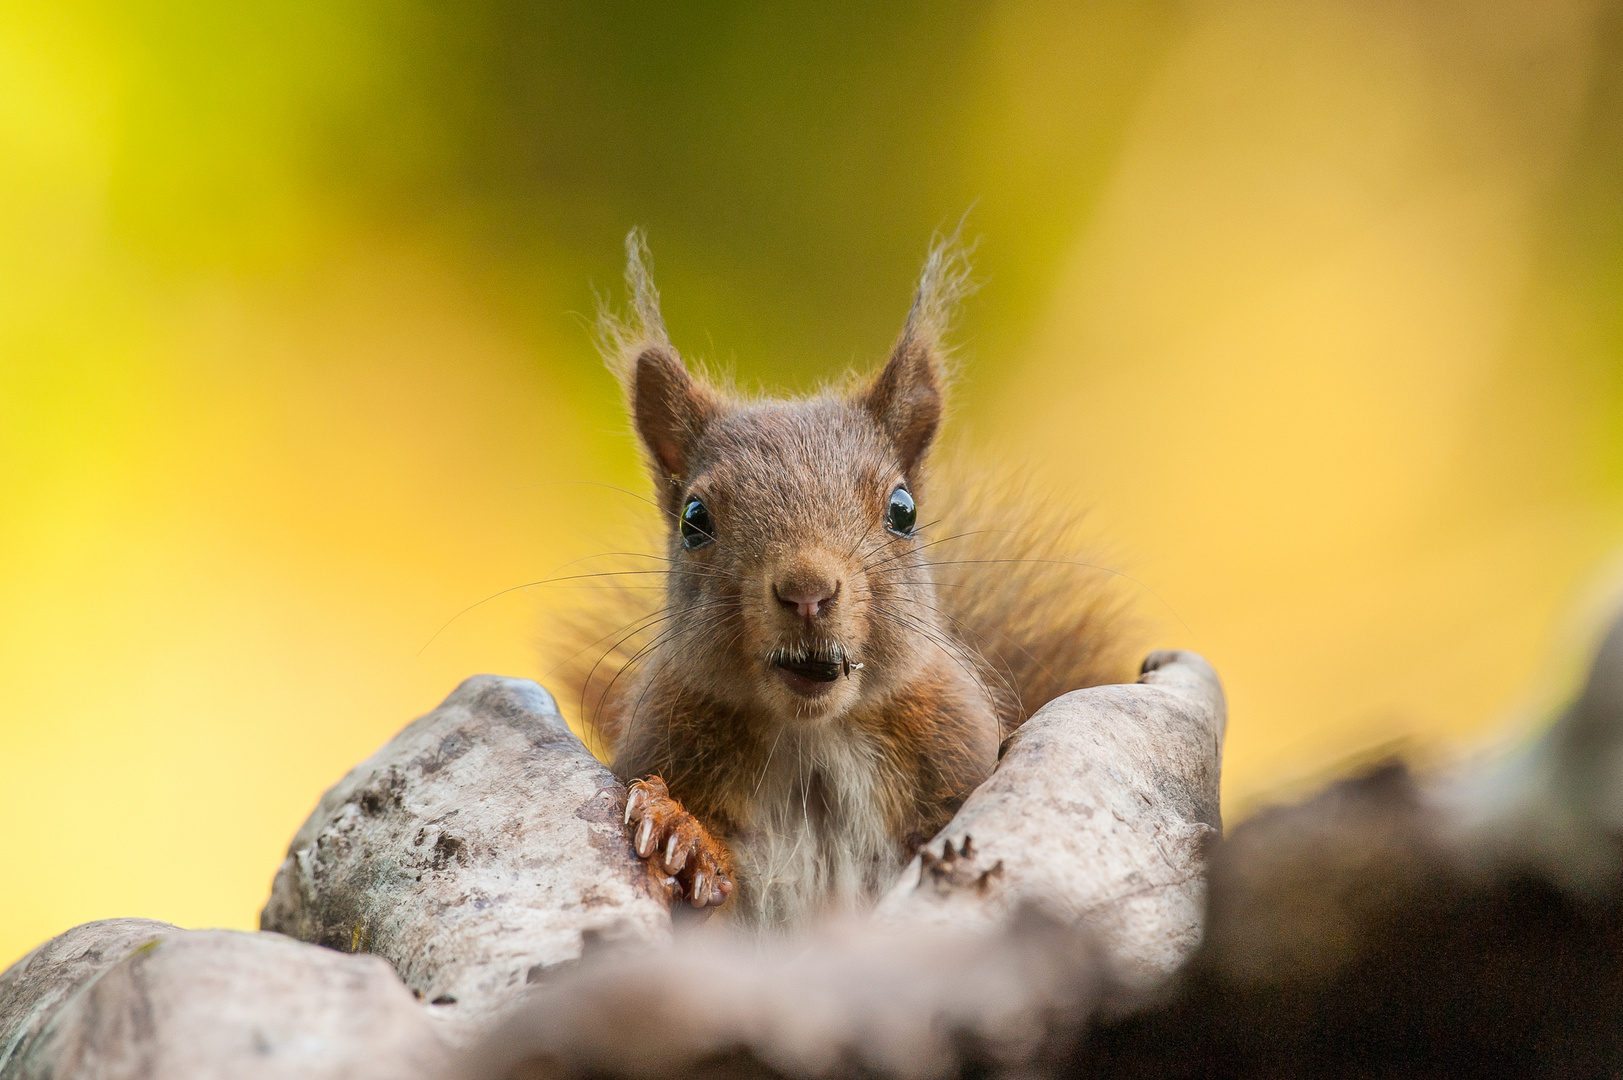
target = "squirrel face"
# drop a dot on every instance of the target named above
(792, 540)
(795, 590)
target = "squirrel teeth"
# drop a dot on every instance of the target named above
(823, 663)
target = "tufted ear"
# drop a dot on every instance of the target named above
(909, 395)
(669, 407)
(671, 410)
(907, 398)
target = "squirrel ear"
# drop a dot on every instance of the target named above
(907, 398)
(909, 395)
(671, 409)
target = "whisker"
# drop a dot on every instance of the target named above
(963, 629)
(649, 620)
(595, 483)
(893, 540)
(954, 651)
(1068, 562)
(665, 615)
(654, 675)
(714, 571)
(923, 547)
(667, 636)
(546, 581)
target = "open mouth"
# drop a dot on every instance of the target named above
(811, 670)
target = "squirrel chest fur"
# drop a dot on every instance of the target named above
(835, 665)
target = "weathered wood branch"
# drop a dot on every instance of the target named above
(482, 850)
(1099, 812)
(131, 998)
(1074, 873)
(1471, 923)
(481, 847)
(33, 988)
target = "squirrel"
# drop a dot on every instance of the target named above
(843, 645)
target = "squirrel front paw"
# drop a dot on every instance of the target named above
(679, 841)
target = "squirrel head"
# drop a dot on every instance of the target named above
(797, 582)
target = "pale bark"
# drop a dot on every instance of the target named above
(481, 847)
(32, 989)
(1099, 812)
(208, 1004)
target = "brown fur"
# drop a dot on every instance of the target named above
(956, 631)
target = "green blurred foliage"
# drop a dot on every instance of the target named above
(789, 161)
(1584, 250)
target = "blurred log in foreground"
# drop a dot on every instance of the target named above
(1468, 925)
(32, 989)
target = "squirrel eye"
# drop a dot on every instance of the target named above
(696, 527)
(901, 513)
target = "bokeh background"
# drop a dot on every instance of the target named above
(1317, 302)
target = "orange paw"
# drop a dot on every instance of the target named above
(676, 841)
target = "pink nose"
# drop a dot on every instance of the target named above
(807, 601)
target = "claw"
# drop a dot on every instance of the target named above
(701, 891)
(635, 802)
(645, 838)
(676, 855)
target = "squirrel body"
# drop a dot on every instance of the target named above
(821, 694)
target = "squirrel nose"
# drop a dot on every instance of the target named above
(807, 600)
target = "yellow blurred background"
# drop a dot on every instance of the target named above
(1317, 302)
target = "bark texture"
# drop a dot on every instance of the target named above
(33, 988)
(207, 1004)
(480, 848)
(1099, 812)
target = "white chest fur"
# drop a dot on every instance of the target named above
(819, 837)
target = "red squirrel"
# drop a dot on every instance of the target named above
(843, 646)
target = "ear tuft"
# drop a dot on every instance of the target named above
(669, 407)
(908, 396)
(622, 338)
(944, 283)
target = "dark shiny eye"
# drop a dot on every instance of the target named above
(901, 513)
(697, 529)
